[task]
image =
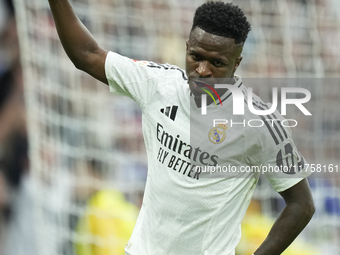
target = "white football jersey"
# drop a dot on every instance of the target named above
(186, 211)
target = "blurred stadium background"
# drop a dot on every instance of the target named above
(72, 159)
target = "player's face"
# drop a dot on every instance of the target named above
(210, 56)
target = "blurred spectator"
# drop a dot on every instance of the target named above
(13, 138)
(9, 49)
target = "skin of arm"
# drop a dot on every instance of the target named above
(78, 43)
(297, 213)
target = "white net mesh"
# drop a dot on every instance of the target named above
(83, 139)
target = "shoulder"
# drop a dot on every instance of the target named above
(122, 70)
(165, 69)
(168, 70)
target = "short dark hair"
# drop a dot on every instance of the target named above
(222, 19)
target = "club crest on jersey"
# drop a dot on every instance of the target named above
(217, 134)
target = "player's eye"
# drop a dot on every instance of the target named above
(196, 56)
(218, 63)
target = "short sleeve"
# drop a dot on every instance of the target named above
(132, 78)
(273, 150)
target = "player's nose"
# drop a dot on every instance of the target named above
(203, 69)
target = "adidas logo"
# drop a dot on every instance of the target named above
(170, 111)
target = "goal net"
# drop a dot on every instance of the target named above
(87, 157)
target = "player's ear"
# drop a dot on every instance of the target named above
(238, 61)
(186, 44)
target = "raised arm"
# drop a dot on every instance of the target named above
(79, 44)
(295, 216)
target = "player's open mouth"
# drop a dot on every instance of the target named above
(200, 84)
(197, 85)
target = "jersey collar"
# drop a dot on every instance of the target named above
(227, 94)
